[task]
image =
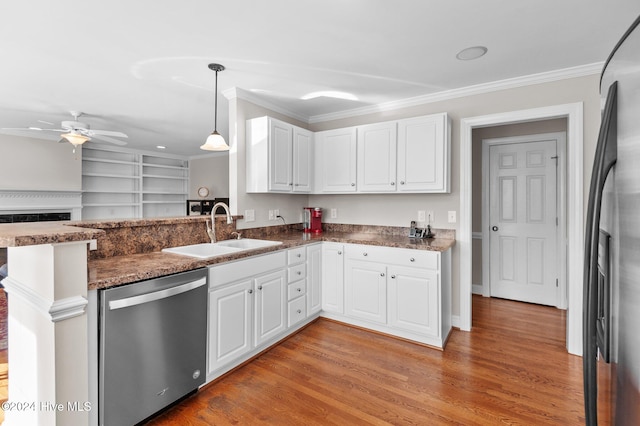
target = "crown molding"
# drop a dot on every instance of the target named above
(510, 83)
(236, 92)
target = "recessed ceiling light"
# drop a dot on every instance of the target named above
(161, 147)
(330, 94)
(471, 53)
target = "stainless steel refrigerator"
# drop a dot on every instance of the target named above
(612, 250)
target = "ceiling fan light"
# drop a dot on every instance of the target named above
(75, 139)
(215, 142)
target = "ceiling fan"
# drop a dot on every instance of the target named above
(77, 133)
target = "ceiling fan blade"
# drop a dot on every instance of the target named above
(45, 122)
(92, 132)
(104, 138)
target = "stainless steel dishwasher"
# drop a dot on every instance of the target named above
(152, 349)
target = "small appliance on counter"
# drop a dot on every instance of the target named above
(312, 220)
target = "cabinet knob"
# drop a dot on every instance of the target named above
(259, 287)
(365, 254)
(393, 183)
(299, 311)
(393, 277)
(382, 274)
(250, 291)
(339, 252)
(299, 272)
(299, 255)
(353, 184)
(291, 184)
(299, 289)
(401, 182)
(412, 260)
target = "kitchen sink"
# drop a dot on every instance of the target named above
(202, 251)
(208, 250)
(247, 243)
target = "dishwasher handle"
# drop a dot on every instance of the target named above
(150, 297)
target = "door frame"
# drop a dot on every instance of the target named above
(561, 270)
(573, 112)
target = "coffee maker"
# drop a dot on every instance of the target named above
(312, 220)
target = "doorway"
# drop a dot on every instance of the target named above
(575, 200)
(523, 215)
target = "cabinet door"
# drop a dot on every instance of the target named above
(336, 160)
(314, 271)
(332, 277)
(366, 290)
(377, 157)
(229, 323)
(270, 309)
(302, 146)
(414, 302)
(424, 154)
(280, 156)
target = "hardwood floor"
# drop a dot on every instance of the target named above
(513, 368)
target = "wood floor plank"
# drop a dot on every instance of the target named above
(513, 368)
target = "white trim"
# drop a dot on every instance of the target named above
(455, 321)
(67, 308)
(561, 266)
(57, 310)
(510, 83)
(575, 238)
(476, 235)
(38, 201)
(236, 92)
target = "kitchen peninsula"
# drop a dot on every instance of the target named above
(56, 270)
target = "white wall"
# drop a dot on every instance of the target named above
(36, 164)
(212, 172)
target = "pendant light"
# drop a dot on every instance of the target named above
(215, 141)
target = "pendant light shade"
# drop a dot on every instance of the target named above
(215, 141)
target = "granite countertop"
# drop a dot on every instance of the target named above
(34, 233)
(119, 270)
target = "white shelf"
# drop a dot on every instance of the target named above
(119, 178)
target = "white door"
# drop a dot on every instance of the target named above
(270, 306)
(523, 221)
(377, 157)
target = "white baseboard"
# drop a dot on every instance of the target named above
(476, 289)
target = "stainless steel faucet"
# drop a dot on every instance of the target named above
(211, 231)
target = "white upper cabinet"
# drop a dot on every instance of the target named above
(424, 152)
(336, 161)
(278, 156)
(377, 157)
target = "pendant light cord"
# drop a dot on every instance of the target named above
(215, 117)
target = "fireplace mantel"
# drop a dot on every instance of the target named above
(41, 201)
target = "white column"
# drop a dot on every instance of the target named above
(48, 347)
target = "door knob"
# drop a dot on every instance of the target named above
(494, 228)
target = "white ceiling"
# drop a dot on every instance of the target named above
(140, 67)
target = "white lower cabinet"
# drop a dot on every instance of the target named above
(314, 278)
(256, 301)
(402, 292)
(333, 277)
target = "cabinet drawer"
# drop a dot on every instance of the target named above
(396, 256)
(245, 268)
(297, 311)
(296, 255)
(296, 289)
(297, 272)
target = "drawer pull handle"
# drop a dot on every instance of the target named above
(393, 277)
(365, 254)
(299, 311)
(382, 274)
(412, 259)
(259, 287)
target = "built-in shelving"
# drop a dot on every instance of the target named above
(120, 184)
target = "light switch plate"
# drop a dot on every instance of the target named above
(452, 216)
(334, 213)
(271, 215)
(421, 216)
(249, 215)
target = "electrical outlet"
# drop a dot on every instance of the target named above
(334, 213)
(249, 215)
(452, 216)
(421, 216)
(272, 216)
(430, 217)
